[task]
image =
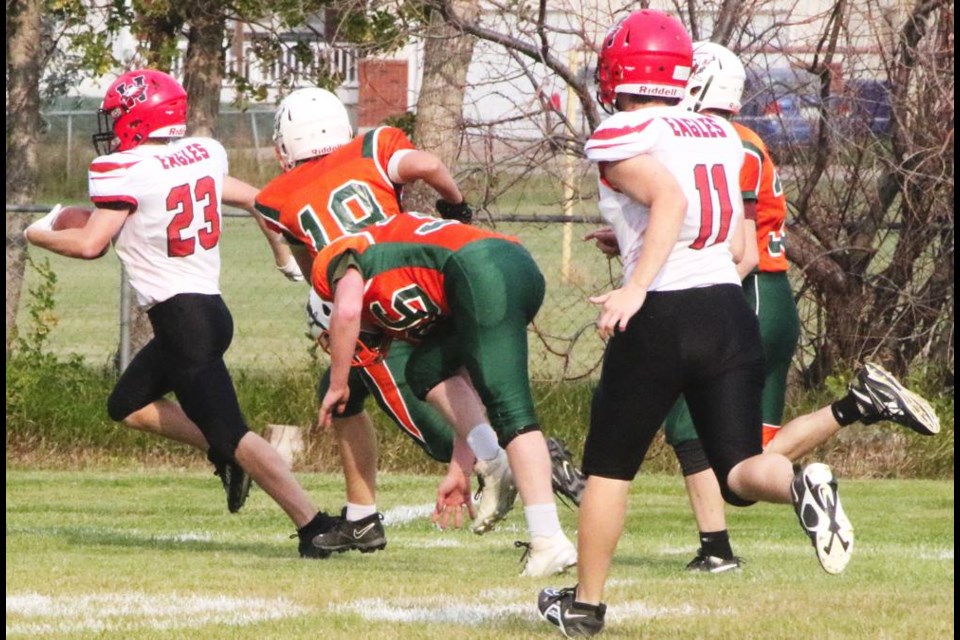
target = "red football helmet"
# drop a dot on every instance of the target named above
(648, 53)
(139, 105)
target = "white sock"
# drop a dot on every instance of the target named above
(483, 442)
(360, 511)
(542, 519)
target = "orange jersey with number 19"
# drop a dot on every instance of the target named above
(342, 192)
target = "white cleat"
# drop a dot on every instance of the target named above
(547, 556)
(497, 492)
(817, 503)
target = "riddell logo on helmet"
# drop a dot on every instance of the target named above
(652, 90)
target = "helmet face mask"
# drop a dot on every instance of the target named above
(717, 80)
(140, 105)
(309, 123)
(648, 53)
(371, 348)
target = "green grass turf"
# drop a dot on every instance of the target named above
(150, 553)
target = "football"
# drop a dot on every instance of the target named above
(72, 217)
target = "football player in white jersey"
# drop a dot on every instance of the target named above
(158, 195)
(679, 324)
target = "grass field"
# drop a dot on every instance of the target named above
(150, 553)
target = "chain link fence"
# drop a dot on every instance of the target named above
(269, 311)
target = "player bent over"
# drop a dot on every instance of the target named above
(464, 297)
(334, 183)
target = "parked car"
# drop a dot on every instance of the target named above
(864, 107)
(783, 106)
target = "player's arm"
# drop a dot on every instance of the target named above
(750, 257)
(647, 181)
(238, 193)
(344, 332)
(88, 242)
(414, 165)
(411, 165)
(606, 241)
(303, 256)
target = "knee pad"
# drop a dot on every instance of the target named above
(691, 456)
(730, 497)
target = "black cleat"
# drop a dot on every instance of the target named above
(713, 564)
(236, 482)
(568, 480)
(322, 522)
(365, 535)
(880, 396)
(574, 619)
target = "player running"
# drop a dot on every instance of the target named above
(716, 88)
(679, 323)
(159, 194)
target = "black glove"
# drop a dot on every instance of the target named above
(461, 212)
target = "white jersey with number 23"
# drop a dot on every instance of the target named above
(170, 243)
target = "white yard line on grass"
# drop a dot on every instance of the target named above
(34, 614)
(490, 608)
(406, 513)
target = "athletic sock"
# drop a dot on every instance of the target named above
(716, 543)
(360, 511)
(483, 442)
(846, 411)
(542, 520)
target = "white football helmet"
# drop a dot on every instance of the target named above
(309, 123)
(716, 81)
(318, 315)
(372, 347)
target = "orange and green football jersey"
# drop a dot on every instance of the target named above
(402, 261)
(760, 182)
(320, 200)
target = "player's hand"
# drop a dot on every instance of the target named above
(606, 241)
(291, 270)
(334, 403)
(461, 212)
(617, 307)
(45, 223)
(453, 496)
